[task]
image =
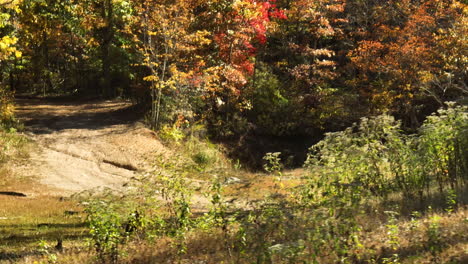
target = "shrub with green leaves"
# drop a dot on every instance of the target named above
(444, 144)
(319, 222)
(376, 157)
(112, 222)
(361, 157)
(7, 118)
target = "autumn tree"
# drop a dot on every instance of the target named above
(450, 80)
(240, 29)
(169, 50)
(397, 60)
(9, 53)
(303, 55)
(276, 67)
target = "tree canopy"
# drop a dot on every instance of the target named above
(279, 67)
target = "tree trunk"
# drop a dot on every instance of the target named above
(108, 36)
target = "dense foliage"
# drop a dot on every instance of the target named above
(244, 69)
(367, 171)
(274, 67)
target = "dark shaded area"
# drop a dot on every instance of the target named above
(13, 257)
(91, 114)
(14, 241)
(121, 165)
(435, 200)
(58, 225)
(250, 149)
(44, 225)
(16, 194)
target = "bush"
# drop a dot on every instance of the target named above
(111, 224)
(377, 157)
(171, 134)
(444, 144)
(6, 109)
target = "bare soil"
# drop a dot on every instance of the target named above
(82, 146)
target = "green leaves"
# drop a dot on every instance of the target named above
(377, 156)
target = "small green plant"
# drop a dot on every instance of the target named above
(111, 224)
(450, 201)
(393, 259)
(205, 154)
(273, 162)
(444, 145)
(171, 134)
(46, 250)
(176, 193)
(220, 215)
(203, 158)
(237, 165)
(393, 230)
(434, 239)
(414, 222)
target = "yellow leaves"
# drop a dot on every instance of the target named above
(8, 41)
(426, 76)
(173, 69)
(171, 83)
(11, 4)
(247, 9)
(175, 78)
(7, 48)
(282, 63)
(7, 109)
(212, 77)
(93, 42)
(151, 78)
(200, 37)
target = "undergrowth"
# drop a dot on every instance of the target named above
(372, 169)
(369, 194)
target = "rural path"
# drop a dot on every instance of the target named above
(86, 145)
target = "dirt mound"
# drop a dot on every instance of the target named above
(82, 146)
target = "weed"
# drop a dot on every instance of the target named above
(45, 249)
(414, 222)
(450, 201)
(111, 224)
(171, 134)
(393, 230)
(273, 162)
(434, 239)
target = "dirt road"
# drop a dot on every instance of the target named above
(84, 146)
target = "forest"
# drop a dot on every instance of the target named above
(248, 131)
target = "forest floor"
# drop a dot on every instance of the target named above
(81, 146)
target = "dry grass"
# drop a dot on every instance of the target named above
(450, 239)
(23, 232)
(209, 246)
(24, 222)
(256, 186)
(27, 220)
